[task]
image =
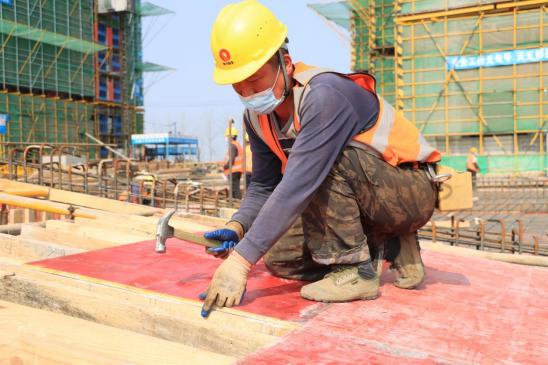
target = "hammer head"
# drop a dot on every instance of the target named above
(164, 231)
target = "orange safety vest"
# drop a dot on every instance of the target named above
(395, 138)
(237, 164)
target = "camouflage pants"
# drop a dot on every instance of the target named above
(362, 203)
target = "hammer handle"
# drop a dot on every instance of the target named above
(195, 238)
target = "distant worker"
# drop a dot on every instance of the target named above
(233, 164)
(326, 148)
(248, 161)
(472, 164)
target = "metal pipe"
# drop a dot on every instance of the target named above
(100, 172)
(11, 152)
(60, 153)
(176, 193)
(106, 146)
(502, 232)
(51, 162)
(25, 152)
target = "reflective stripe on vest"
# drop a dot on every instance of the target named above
(395, 138)
(237, 164)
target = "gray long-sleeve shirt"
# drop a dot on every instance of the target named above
(335, 110)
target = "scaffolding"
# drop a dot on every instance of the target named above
(471, 73)
(47, 73)
(120, 94)
(67, 69)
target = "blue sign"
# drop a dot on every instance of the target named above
(504, 58)
(9, 2)
(4, 119)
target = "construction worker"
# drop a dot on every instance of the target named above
(472, 165)
(248, 161)
(233, 164)
(328, 152)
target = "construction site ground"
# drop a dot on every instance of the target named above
(82, 284)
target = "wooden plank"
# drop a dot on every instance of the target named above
(498, 256)
(15, 229)
(37, 336)
(95, 202)
(120, 224)
(186, 228)
(111, 225)
(82, 200)
(26, 249)
(67, 239)
(226, 331)
(214, 222)
(116, 237)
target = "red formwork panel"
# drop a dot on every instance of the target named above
(468, 311)
(185, 271)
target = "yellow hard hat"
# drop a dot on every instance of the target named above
(231, 132)
(244, 37)
(473, 150)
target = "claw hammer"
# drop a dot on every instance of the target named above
(165, 231)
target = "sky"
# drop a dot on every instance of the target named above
(187, 100)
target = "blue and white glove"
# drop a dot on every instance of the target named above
(229, 237)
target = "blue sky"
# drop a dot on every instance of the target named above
(188, 96)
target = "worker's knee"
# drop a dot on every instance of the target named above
(297, 268)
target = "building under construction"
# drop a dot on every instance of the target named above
(70, 70)
(469, 73)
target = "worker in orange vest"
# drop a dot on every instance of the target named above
(328, 152)
(233, 165)
(472, 164)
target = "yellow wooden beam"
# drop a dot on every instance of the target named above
(444, 13)
(520, 4)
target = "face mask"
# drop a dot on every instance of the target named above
(263, 102)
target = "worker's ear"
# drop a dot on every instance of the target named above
(288, 63)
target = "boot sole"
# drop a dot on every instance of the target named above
(366, 297)
(409, 287)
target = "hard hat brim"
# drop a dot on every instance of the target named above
(228, 77)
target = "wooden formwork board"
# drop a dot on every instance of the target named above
(168, 317)
(41, 337)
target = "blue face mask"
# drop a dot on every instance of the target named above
(263, 102)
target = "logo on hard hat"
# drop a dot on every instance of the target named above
(225, 57)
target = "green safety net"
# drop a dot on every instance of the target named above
(338, 12)
(149, 9)
(154, 67)
(34, 34)
(501, 164)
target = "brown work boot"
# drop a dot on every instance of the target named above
(408, 263)
(343, 284)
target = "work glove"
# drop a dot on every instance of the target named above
(229, 236)
(227, 288)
